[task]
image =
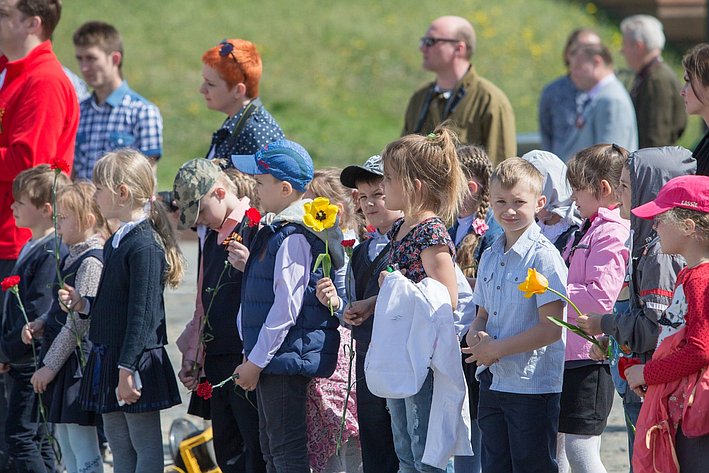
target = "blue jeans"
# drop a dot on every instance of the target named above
(518, 430)
(282, 422)
(409, 425)
(632, 412)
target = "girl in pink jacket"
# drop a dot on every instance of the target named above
(597, 257)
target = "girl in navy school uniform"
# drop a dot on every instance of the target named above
(129, 378)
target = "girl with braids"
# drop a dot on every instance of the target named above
(473, 232)
(128, 329)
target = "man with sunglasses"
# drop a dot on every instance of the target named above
(477, 110)
(114, 116)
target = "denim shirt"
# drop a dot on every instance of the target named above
(538, 371)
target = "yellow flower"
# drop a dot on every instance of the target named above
(320, 214)
(535, 283)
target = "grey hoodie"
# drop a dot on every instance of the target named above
(652, 273)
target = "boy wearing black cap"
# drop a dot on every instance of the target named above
(289, 336)
(368, 260)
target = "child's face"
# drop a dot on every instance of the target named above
(372, 201)
(586, 202)
(394, 190)
(27, 215)
(671, 239)
(516, 207)
(68, 226)
(270, 192)
(106, 201)
(624, 193)
(212, 208)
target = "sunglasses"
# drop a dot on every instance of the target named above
(227, 49)
(428, 41)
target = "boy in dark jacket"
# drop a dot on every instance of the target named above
(27, 439)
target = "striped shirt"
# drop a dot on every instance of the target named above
(124, 120)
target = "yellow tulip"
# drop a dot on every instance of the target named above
(535, 283)
(320, 214)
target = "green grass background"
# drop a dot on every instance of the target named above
(337, 74)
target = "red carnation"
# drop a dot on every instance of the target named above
(59, 164)
(254, 216)
(204, 390)
(624, 363)
(349, 243)
(10, 282)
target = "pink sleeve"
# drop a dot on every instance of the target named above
(603, 275)
(188, 341)
(291, 274)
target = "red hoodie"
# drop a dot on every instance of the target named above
(39, 114)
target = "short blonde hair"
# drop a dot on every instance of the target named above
(677, 215)
(36, 184)
(243, 185)
(432, 160)
(326, 183)
(513, 171)
(78, 198)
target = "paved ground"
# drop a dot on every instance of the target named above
(179, 305)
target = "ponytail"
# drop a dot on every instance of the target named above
(166, 237)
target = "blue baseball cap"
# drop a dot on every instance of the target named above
(283, 159)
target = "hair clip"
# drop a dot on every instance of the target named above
(432, 136)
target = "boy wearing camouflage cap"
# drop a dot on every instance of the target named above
(206, 196)
(289, 336)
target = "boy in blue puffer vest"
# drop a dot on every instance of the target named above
(289, 337)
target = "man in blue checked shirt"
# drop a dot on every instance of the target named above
(114, 116)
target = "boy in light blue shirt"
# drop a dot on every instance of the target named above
(519, 352)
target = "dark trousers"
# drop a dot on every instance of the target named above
(282, 422)
(28, 441)
(378, 454)
(518, 430)
(6, 266)
(234, 416)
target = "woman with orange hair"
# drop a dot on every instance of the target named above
(232, 72)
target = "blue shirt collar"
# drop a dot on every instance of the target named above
(116, 96)
(523, 243)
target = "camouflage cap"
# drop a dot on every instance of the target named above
(193, 180)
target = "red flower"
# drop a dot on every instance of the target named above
(348, 243)
(253, 215)
(624, 363)
(10, 282)
(204, 390)
(59, 164)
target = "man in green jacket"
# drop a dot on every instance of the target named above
(477, 110)
(659, 108)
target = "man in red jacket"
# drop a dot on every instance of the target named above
(39, 114)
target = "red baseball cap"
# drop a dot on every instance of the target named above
(686, 192)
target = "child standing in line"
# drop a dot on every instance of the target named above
(652, 274)
(597, 259)
(26, 436)
(473, 232)
(325, 395)
(672, 431)
(559, 218)
(519, 352)
(83, 229)
(289, 336)
(205, 195)
(128, 377)
(422, 178)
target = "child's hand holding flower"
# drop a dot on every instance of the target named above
(326, 292)
(599, 353)
(238, 254)
(247, 375)
(32, 330)
(635, 375)
(70, 299)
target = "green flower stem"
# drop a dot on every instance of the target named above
(575, 329)
(203, 339)
(350, 355)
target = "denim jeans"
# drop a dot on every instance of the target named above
(282, 422)
(378, 454)
(28, 441)
(632, 412)
(518, 430)
(409, 425)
